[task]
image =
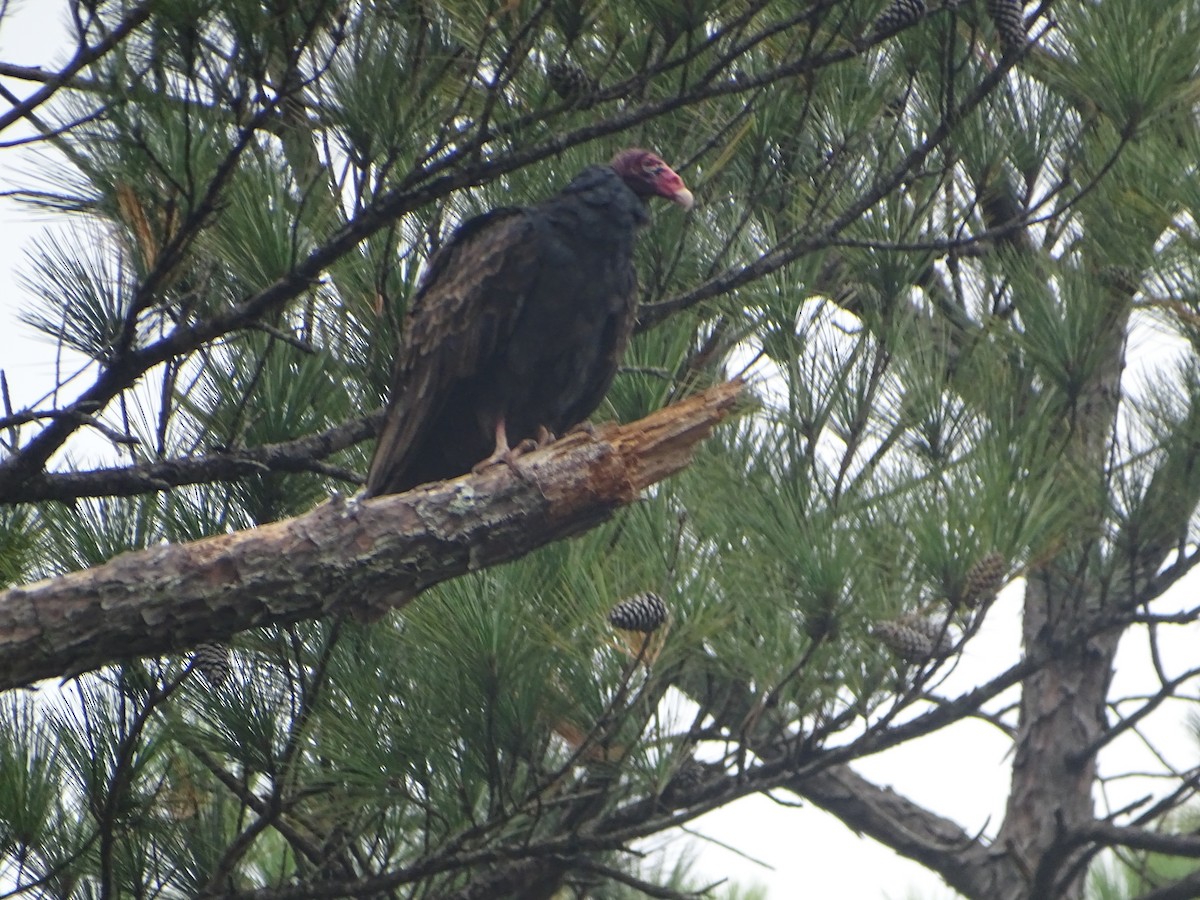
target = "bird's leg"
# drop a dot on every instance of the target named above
(503, 454)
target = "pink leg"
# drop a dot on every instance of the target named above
(503, 454)
(499, 454)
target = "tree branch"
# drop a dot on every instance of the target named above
(1109, 835)
(896, 822)
(357, 557)
(1183, 889)
(299, 455)
(799, 244)
(84, 57)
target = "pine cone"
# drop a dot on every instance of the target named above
(934, 629)
(910, 644)
(211, 659)
(984, 579)
(641, 612)
(691, 775)
(569, 81)
(899, 14)
(1009, 18)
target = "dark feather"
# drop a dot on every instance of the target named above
(451, 334)
(522, 317)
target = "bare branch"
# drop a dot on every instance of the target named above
(84, 57)
(1184, 889)
(1109, 835)
(300, 455)
(1169, 690)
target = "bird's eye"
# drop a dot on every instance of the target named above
(655, 169)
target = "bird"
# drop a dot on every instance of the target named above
(518, 326)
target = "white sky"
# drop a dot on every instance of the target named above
(961, 773)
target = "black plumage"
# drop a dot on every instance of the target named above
(518, 326)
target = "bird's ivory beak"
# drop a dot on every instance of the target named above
(683, 197)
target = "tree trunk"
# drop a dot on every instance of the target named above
(1062, 710)
(1054, 766)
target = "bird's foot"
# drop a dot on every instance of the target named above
(496, 459)
(505, 456)
(584, 427)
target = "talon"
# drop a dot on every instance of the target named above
(499, 455)
(507, 458)
(504, 454)
(584, 427)
(484, 464)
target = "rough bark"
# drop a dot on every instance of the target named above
(346, 556)
(1062, 708)
(1062, 713)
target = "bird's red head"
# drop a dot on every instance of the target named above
(648, 176)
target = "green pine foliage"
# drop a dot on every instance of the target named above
(925, 259)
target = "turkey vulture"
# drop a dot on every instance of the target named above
(517, 328)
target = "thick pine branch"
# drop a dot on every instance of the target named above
(345, 557)
(899, 823)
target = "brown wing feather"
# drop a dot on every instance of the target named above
(464, 310)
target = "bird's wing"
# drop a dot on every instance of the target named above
(466, 307)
